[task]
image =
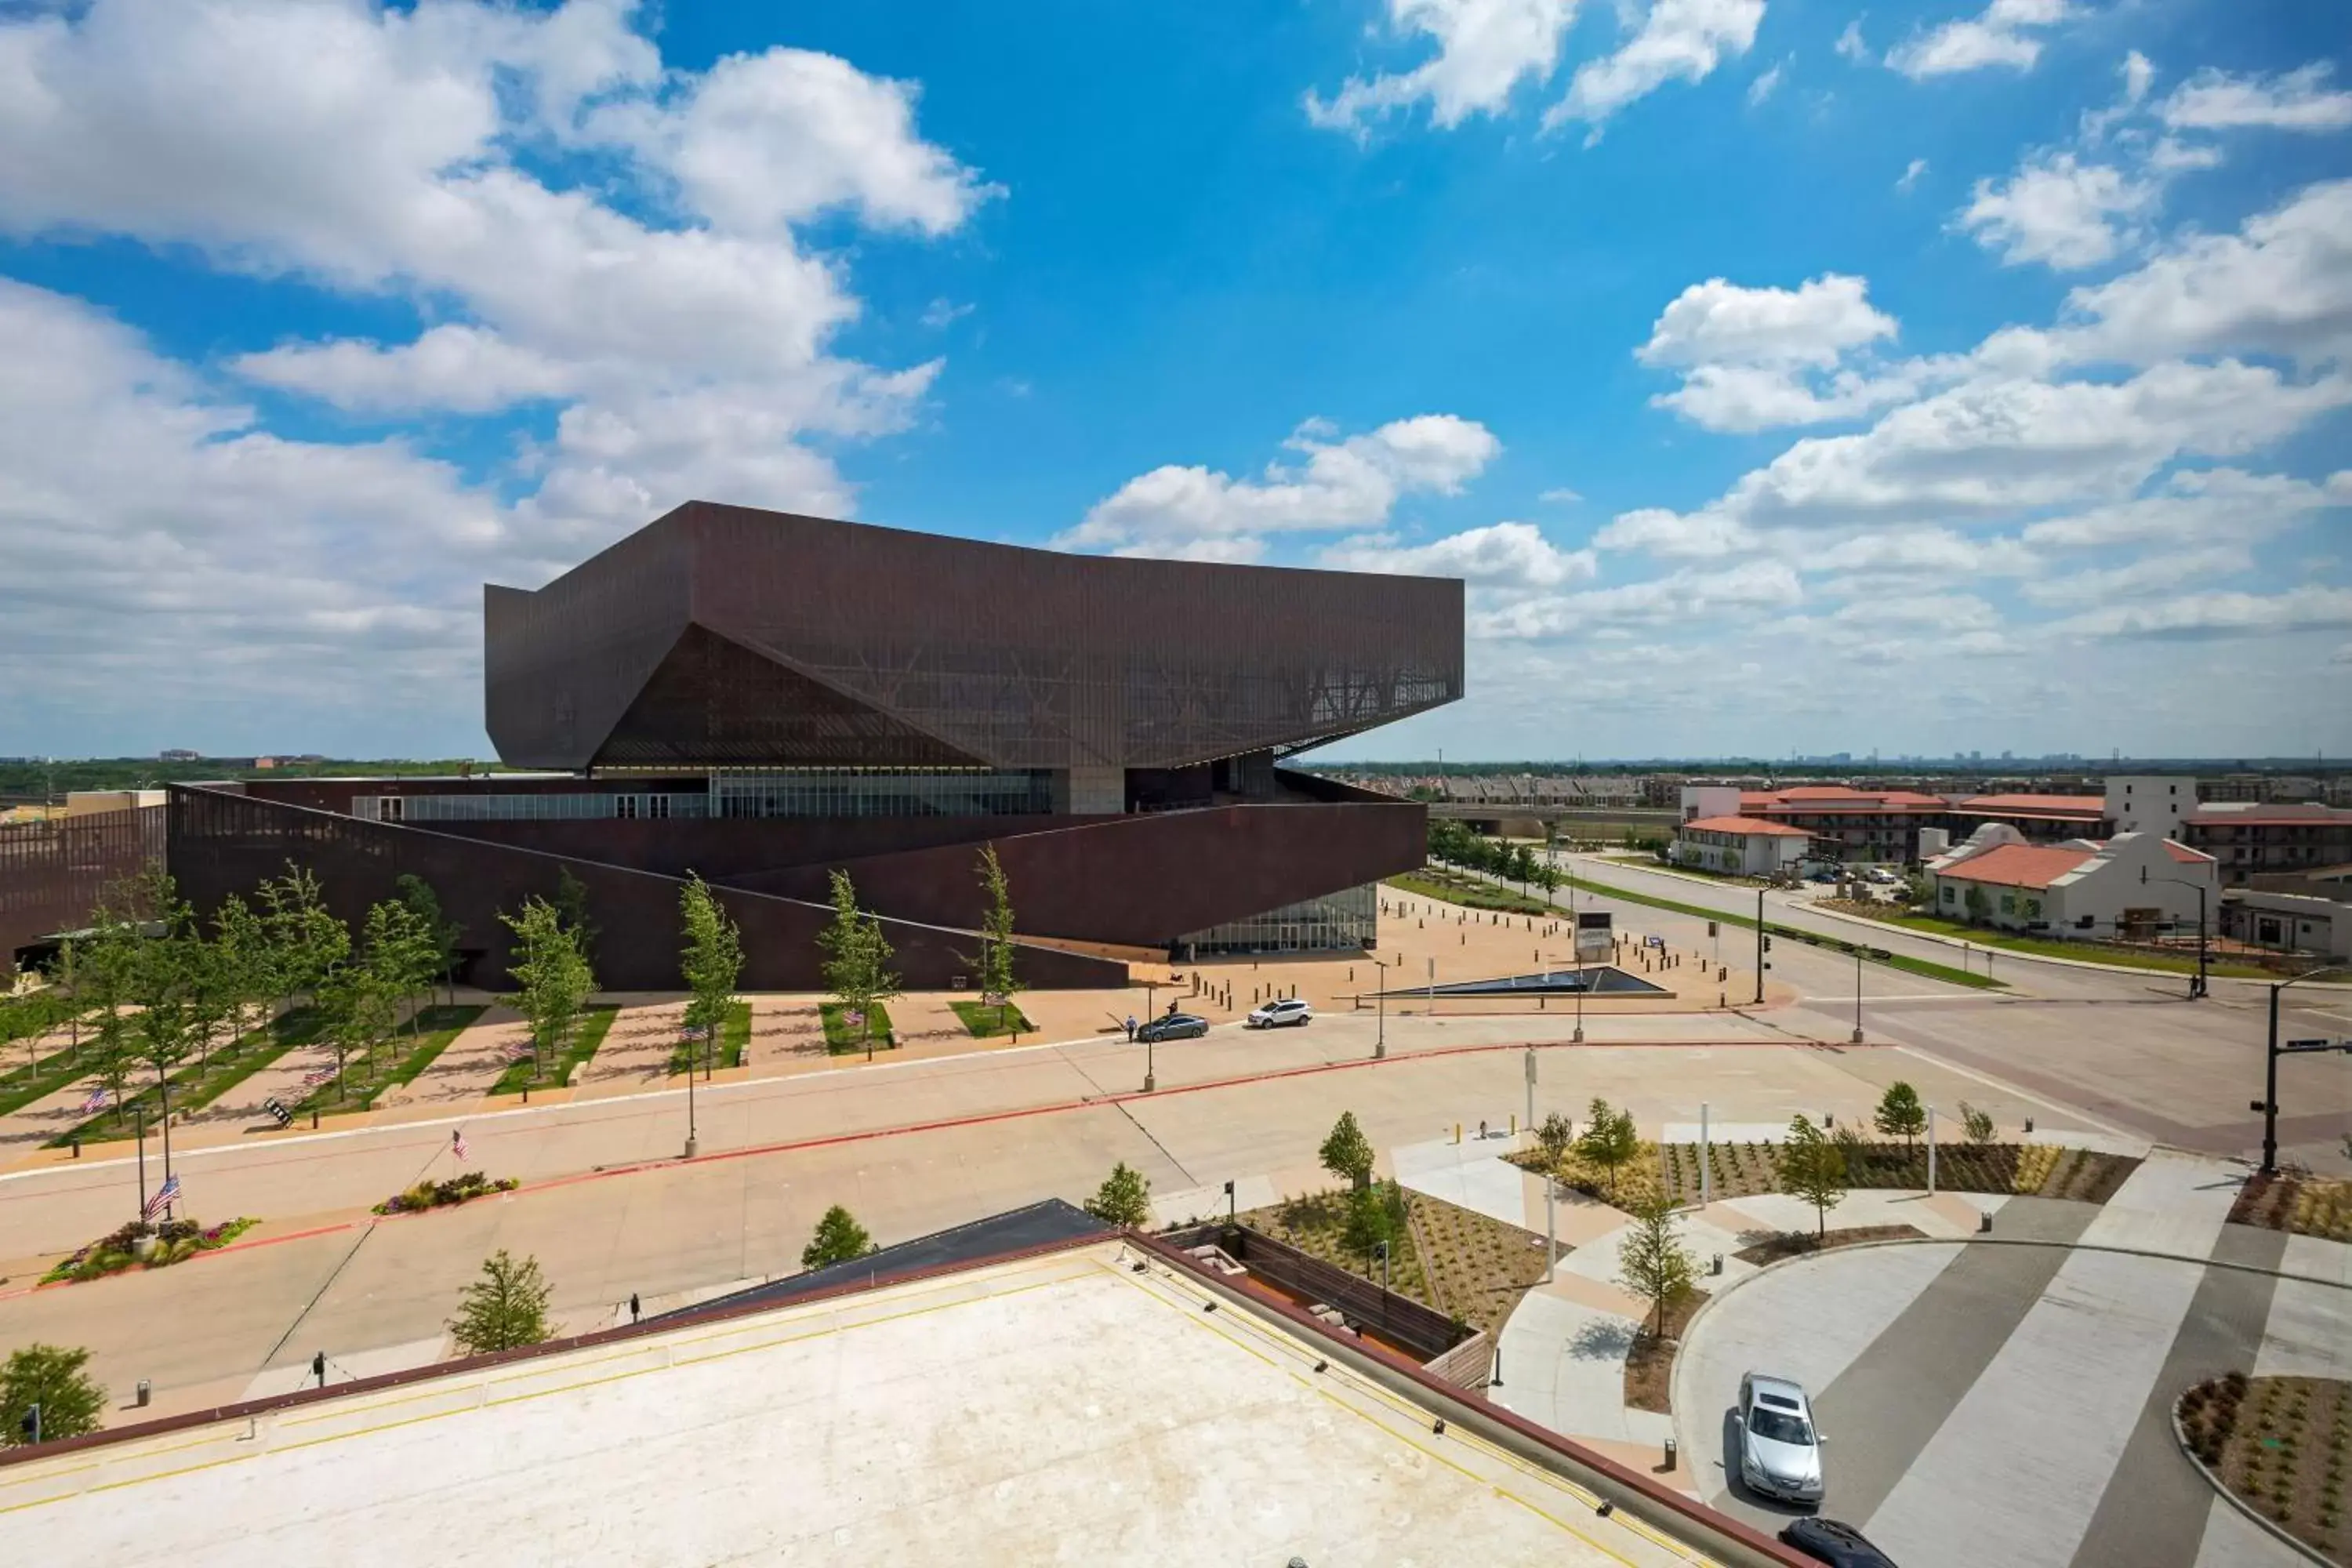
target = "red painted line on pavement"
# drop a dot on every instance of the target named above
(984, 1118)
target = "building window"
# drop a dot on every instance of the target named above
(1347, 920)
(390, 808)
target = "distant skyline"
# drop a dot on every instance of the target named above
(1779, 374)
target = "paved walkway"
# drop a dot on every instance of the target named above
(1994, 1404)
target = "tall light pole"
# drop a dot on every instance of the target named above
(1759, 947)
(2268, 1104)
(2196, 987)
(1381, 1001)
(1858, 995)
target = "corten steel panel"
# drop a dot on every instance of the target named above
(1141, 881)
(53, 874)
(1009, 657)
(222, 844)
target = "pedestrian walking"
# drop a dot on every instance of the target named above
(1130, 1029)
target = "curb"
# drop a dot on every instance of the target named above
(2300, 1548)
(1812, 906)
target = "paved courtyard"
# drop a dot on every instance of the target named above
(1991, 1403)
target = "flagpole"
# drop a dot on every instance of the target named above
(139, 1122)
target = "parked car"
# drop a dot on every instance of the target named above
(1174, 1027)
(1780, 1450)
(1282, 1010)
(1839, 1544)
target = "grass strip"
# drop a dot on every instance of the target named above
(1475, 896)
(986, 1020)
(198, 1084)
(734, 1039)
(435, 1028)
(36, 1079)
(586, 1036)
(842, 1036)
(2080, 951)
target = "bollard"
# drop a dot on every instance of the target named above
(1670, 1453)
(75, 1145)
(1457, 1132)
(146, 1392)
(1715, 1264)
(1984, 1223)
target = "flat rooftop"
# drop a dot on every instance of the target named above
(1058, 1408)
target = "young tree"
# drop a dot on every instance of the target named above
(838, 1238)
(710, 960)
(1123, 1199)
(1555, 1136)
(1372, 1220)
(1976, 904)
(51, 1377)
(1348, 1152)
(507, 1307)
(419, 895)
(398, 953)
(1812, 1167)
(1609, 1142)
(1651, 1262)
(571, 908)
(1976, 1124)
(305, 941)
(997, 980)
(553, 980)
(356, 1014)
(1900, 1114)
(857, 959)
(1523, 866)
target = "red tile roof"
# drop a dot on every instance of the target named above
(2185, 854)
(2017, 865)
(2090, 807)
(1748, 827)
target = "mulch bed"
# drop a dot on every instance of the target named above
(1650, 1365)
(1462, 1263)
(2281, 1446)
(2292, 1201)
(1745, 1170)
(1798, 1243)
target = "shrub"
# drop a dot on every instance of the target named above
(51, 1377)
(441, 1195)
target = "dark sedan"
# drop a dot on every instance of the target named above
(1174, 1027)
(1836, 1543)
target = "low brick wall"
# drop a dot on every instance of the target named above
(1427, 1332)
(1468, 1365)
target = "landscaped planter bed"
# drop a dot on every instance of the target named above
(2282, 1445)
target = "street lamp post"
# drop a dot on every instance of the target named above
(1759, 947)
(1858, 995)
(2268, 1104)
(1380, 1002)
(2197, 987)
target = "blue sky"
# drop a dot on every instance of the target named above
(1779, 376)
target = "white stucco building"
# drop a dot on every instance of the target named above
(2133, 883)
(1743, 846)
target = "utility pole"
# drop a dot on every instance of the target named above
(1858, 995)
(2268, 1104)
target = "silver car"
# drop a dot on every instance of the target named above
(1780, 1450)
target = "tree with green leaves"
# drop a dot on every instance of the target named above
(998, 983)
(52, 1377)
(425, 904)
(1555, 1135)
(305, 941)
(399, 954)
(27, 1015)
(838, 1239)
(1900, 1114)
(552, 975)
(1124, 1198)
(1975, 1124)
(857, 959)
(1978, 905)
(505, 1308)
(571, 908)
(1651, 1262)
(356, 1014)
(1812, 1167)
(1348, 1152)
(710, 960)
(1609, 1142)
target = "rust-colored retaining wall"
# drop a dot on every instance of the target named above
(53, 874)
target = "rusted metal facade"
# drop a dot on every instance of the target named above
(53, 874)
(724, 637)
(762, 699)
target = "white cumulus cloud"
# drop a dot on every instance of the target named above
(2298, 99)
(2006, 33)
(1484, 49)
(2059, 211)
(1508, 555)
(1678, 40)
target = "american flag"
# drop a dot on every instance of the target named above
(96, 1100)
(164, 1197)
(458, 1145)
(320, 1076)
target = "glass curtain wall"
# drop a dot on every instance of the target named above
(1347, 920)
